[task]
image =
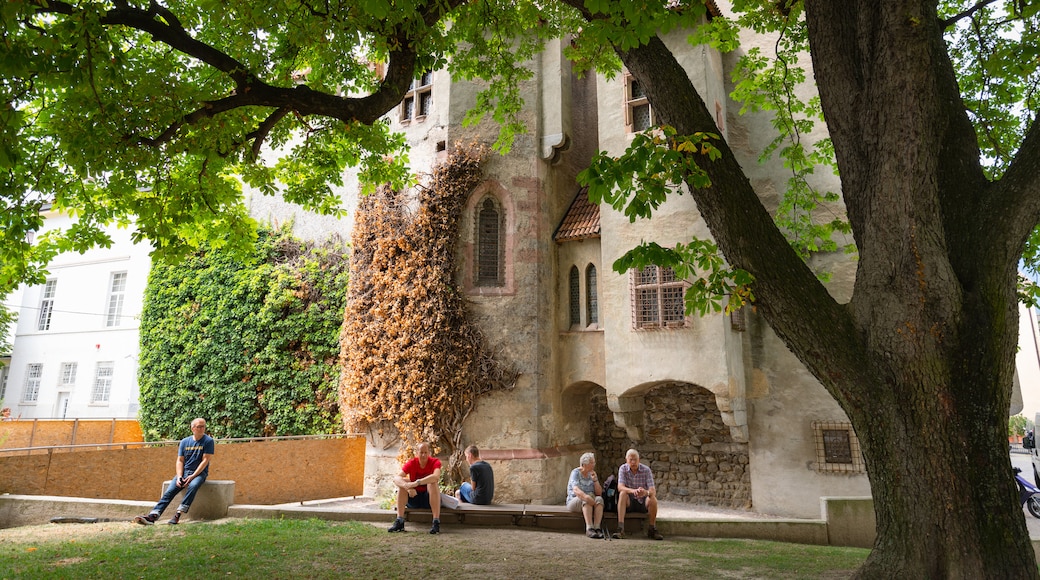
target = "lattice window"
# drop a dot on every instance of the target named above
(575, 297)
(638, 114)
(102, 382)
(47, 305)
(591, 296)
(419, 99)
(657, 298)
(837, 447)
(67, 376)
(489, 244)
(31, 392)
(116, 295)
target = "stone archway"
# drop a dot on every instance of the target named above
(685, 441)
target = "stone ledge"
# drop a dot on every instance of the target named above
(211, 502)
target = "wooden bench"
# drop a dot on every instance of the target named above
(553, 517)
(558, 517)
(498, 514)
(212, 500)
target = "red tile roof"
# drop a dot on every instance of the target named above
(581, 221)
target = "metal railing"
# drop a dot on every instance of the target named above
(170, 442)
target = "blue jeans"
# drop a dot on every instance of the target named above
(466, 492)
(171, 492)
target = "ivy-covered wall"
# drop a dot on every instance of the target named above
(251, 345)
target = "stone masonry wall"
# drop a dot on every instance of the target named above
(690, 450)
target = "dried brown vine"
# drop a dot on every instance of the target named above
(411, 356)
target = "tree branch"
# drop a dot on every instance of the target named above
(164, 27)
(967, 13)
(786, 290)
(1018, 191)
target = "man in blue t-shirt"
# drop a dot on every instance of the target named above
(193, 458)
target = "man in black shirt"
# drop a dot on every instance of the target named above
(481, 487)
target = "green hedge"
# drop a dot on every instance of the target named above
(251, 345)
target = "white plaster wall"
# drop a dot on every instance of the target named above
(78, 333)
(694, 354)
(1027, 361)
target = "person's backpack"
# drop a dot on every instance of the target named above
(610, 494)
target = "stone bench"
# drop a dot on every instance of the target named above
(211, 502)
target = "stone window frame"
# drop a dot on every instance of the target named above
(33, 380)
(662, 288)
(635, 99)
(830, 460)
(418, 100)
(469, 234)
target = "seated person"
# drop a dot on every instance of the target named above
(480, 488)
(417, 487)
(636, 493)
(584, 494)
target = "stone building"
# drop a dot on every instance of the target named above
(717, 405)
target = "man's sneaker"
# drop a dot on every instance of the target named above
(146, 520)
(176, 519)
(618, 535)
(398, 526)
(651, 533)
(591, 533)
(436, 527)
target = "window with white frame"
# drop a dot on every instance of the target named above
(67, 376)
(31, 392)
(638, 114)
(47, 305)
(3, 381)
(657, 298)
(102, 382)
(418, 100)
(837, 447)
(116, 294)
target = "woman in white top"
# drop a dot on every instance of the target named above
(584, 494)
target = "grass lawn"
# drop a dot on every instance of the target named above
(237, 548)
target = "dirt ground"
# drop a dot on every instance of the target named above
(528, 553)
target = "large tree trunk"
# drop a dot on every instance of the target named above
(922, 358)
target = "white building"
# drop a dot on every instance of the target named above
(1027, 364)
(76, 340)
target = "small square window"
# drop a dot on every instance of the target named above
(837, 448)
(638, 114)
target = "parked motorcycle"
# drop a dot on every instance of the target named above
(1028, 494)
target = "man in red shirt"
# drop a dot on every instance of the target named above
(418, 488)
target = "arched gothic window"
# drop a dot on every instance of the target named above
(489, 244)
(591, 297)
(575, 297)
